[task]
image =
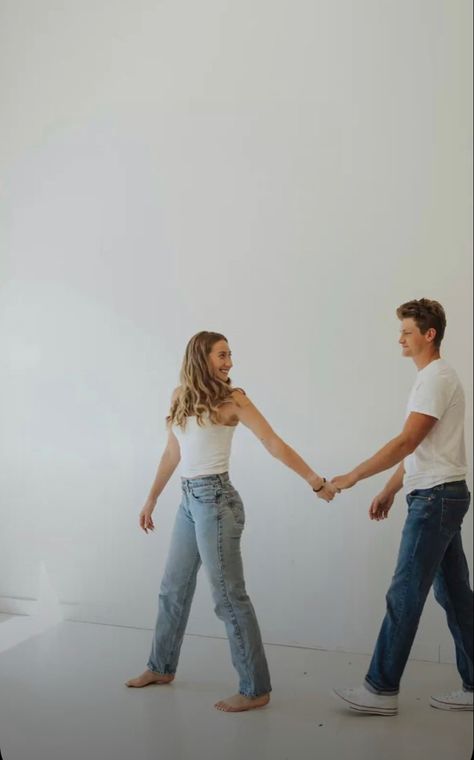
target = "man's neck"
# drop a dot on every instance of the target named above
(423, 360)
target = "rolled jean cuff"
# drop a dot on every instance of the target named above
(467, 688)
(256, 695)
(166, 672)
(377, 690)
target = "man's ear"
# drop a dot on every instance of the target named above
(430, 334)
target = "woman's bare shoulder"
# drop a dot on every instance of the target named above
(229, 409)
(239, 397)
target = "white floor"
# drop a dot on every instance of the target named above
(62, 698)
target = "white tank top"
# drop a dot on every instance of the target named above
(205, 449)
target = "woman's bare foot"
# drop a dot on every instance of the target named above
(239, 703)
(149, 677)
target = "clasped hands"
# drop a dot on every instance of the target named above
(327, 489)
(380, 505)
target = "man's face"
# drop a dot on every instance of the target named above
(413, 343)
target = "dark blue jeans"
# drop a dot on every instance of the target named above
(431, 553)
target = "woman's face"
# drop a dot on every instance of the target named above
(220, 360)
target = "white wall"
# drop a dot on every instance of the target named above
(286, 172)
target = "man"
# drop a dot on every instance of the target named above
(433, 466)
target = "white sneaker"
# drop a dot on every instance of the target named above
(455, 700)
(363, 700)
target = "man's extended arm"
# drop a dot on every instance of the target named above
(417, 427)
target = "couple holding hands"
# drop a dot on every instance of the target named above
(430, 454)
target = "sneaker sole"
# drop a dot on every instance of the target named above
(373, 710)
(387, 711)
(448, 707)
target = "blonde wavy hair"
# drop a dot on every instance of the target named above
(200, 393)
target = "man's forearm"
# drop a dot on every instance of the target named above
(396, 481)
(389, 455)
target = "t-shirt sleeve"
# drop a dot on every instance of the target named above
(432, 396)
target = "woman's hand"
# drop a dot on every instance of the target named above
(145, 520)
(327, 492)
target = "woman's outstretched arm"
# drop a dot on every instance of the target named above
(250, 416)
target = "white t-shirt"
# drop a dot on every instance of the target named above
(441, 456)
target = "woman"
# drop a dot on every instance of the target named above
(205, 410)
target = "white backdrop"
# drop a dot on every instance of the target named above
(284, 171)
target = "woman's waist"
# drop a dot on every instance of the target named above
(217, 478)
(204, 462)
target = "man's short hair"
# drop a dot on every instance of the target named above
(426, 314)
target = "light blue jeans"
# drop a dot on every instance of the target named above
(207, 531)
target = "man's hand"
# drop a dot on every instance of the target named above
(344, 481)
(327, 492)
(380, 506)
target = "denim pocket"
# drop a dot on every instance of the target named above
(452, 514)
(423, 496)
(232, 501)
(420, 506)
(237, 509)
(206, 494)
